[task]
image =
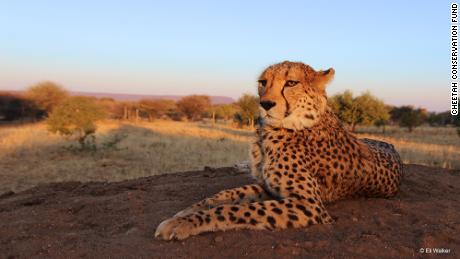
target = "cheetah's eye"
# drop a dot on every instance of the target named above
(262, 83)
(290, 83)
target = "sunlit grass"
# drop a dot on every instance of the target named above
(30, 155)
(415, 152)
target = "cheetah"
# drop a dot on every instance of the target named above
(302, 159)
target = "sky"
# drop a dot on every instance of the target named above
(397, 50)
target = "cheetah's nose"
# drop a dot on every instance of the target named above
(267, 105)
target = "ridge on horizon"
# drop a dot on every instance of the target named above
(215, 99)
(136, 97)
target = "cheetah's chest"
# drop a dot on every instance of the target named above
(331, 161)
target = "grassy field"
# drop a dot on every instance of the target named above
(431, 146)
(29, 155)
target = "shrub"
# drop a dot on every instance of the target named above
(365, 109)
(155, 109)
(408, 116)
(249, 109)
(46, 96)
(225, 111)
(14, 107)
(76, 117)
(194, 106)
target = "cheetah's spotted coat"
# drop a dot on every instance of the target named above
(302, 159)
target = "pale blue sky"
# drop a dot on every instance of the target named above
(399, 50)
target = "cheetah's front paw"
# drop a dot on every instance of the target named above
(175, 228)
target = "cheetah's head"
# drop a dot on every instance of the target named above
(292, 95)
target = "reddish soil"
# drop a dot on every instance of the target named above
(118, 220)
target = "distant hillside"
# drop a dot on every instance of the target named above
(137, 97)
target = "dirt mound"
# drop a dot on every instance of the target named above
(118, 220)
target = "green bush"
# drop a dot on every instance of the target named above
(194, 106)
(249, 109)
(365, 109)
(76, 117)
(408, 116)
(46, 96)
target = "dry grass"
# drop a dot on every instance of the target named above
(425, 135)
(446, 156)
(433, 146)
(29, 155)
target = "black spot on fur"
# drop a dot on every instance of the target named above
(277, 210)
(271, 221)
(308, 213)
(295, 195)
(335, 164)
(309, 116)
(300, 207)
(241, 221)
(293, 217)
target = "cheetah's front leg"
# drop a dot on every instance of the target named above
(271, 214)
(243, 194)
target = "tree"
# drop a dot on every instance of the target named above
(409, 117)
(46, 96)
(193, 106)
(111, 107)
(225, 111)
(221, 111)
(456, 121)
(157, 108)
(249, 109)
(13, 107)
(76, 116)
(365, 109)
(440, 118)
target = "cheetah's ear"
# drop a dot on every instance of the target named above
(323, 78)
